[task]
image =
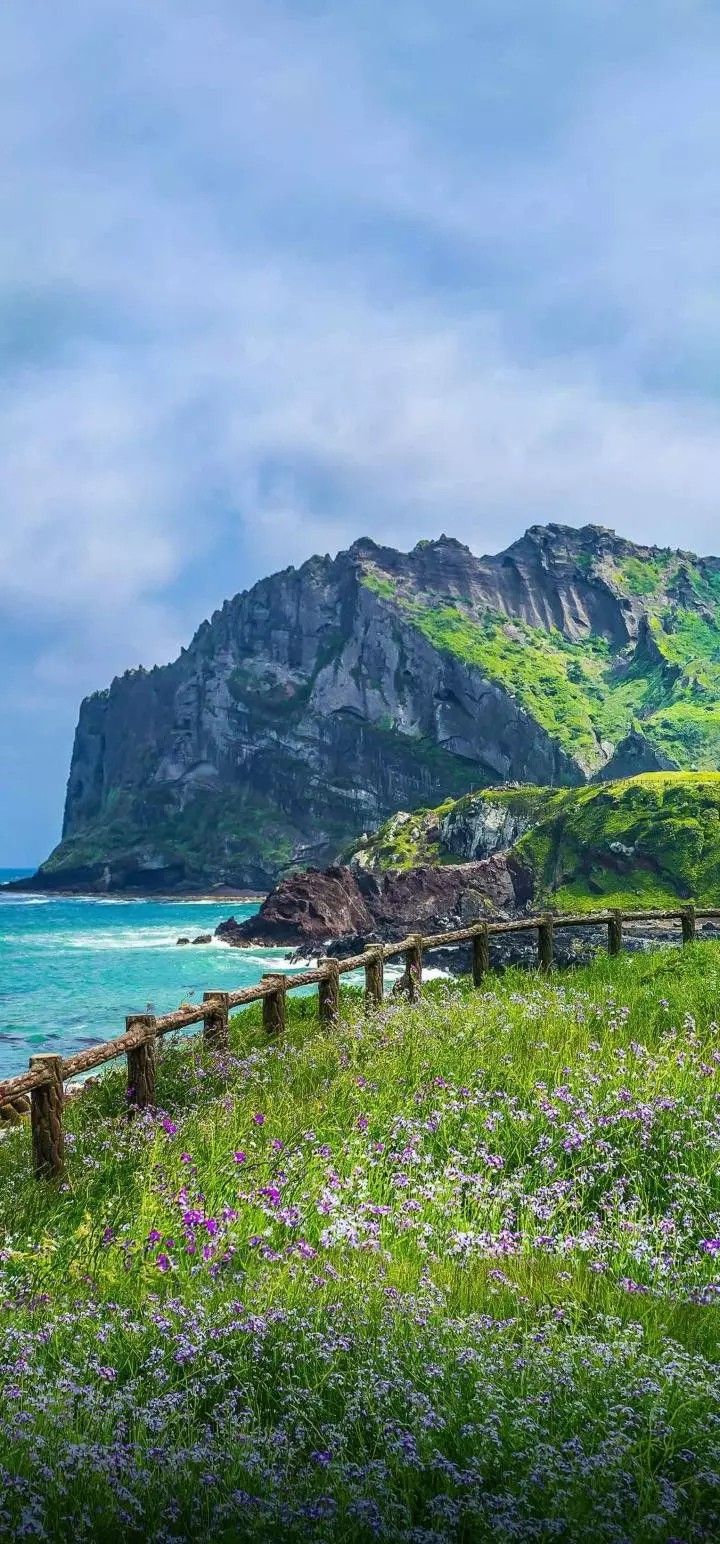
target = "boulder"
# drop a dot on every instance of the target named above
(339, 903)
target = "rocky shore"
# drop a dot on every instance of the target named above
(341, 910)
(321, 906)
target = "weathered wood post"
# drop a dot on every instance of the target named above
(329, 992)
(689, 925)
(141, 1062)
(615, 933)
(546, 945)
(46, 1107)
(216, 1035)
(374, 979)
(413, 966)
(480, 954)
(274, 1004)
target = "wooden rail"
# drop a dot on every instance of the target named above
(44, 1082)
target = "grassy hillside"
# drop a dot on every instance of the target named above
(652, 839)
(640, 841)
(585, 693)
(448, 1273)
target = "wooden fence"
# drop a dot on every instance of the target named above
(45, 1080)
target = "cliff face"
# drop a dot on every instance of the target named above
(311, 707)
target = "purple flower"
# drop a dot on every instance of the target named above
(259, 1119)
(277, 1145)
(711, 1246)
(241, 1157)
(108, 1374)
(362, 1123)
(162, 1262)
(153, 1236)
(271, 1194)
(168, 1125)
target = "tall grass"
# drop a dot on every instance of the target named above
(447, 1272)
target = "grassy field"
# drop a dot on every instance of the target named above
(448, 1273)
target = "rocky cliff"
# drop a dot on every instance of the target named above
(312, 706)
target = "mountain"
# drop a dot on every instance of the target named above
(649, 840)
(313, 706)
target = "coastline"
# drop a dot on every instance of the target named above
(209, 897)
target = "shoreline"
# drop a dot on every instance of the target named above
(242, 897)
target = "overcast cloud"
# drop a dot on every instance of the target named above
(274, 276)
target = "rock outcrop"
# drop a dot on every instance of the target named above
(312, 706)
(338, 903)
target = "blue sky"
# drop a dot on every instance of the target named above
(274, 276)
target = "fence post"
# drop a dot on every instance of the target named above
(141, 1063)
(274, 1005)
(480, 954)
(413, 966)
(689, 925)
(329, 992)
(545, 945)
(374, 979)
(615, 933)
(215, 1024)
(46, 1107)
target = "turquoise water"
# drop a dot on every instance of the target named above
(71, 968)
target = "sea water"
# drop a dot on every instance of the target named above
(72, 967)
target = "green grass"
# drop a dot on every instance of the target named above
(645, 841)
(486, 1281)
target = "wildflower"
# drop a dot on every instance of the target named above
(259, 1119)
(162, 1262)
(240, 1157)
(710, 1246)
(169, 1126)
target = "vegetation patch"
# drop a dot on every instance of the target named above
(648, 841)
(449, 1272)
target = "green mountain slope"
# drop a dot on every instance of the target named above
(664, 683)
(640, 841)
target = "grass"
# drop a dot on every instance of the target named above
(642, 841)
(448, 1272)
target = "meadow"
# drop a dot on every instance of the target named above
(448, 1272)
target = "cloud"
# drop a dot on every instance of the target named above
(275, 275)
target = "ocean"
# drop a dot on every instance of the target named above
(72, 967)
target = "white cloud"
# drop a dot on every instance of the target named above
(272, 279)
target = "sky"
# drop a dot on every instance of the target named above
(274, 276)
